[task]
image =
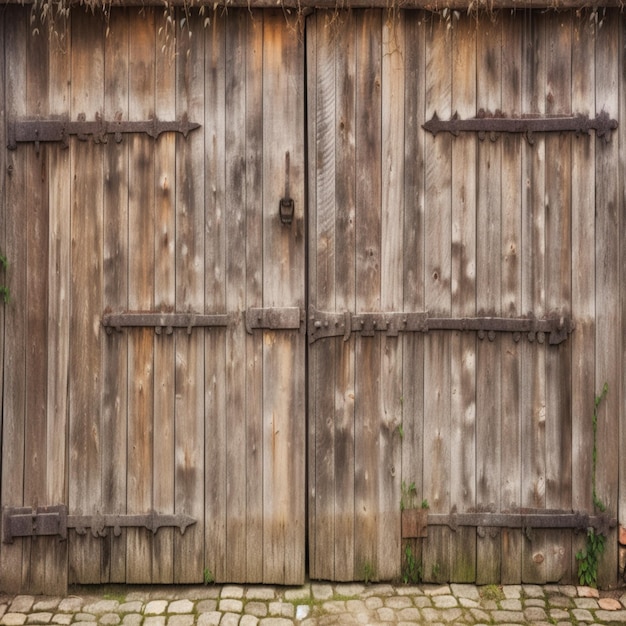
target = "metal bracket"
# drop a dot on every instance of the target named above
(324, 324)
(54, 520)
(60, 130)
(163, 321)
(492, 124)
(487, 519)
(275, 318)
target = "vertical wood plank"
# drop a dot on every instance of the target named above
(254, 293)
(463, 345)
(583, 279)
(511, 249)
(437, 299)
(283, 285)
(36, 304)
(190, 264)
(322, 278)
(141, 228)
(115, 357)
(164, 300)
(608, 357)
(391, 296)
(235, 295)
(85, 489)
(368, 283)
(14, 404)
(413, 264)
(488, 302)
(56, 574)
(533, 409)
(219, 482)
(558, 293)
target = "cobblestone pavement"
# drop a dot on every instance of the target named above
(318, 604)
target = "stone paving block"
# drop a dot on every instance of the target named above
(512, 592)
(409, 615)
(422, 602)
(155, 607)
(41, 617)
(385, 614)
(154, 620)
(46, 604)
(281, 609)
(13, 619)
(267, 593)
(465, 591)
(568, 590)
(535, 613)
(501, 617)
(322, 592)
(206, 606)
(588, 592)
(586, 603)
(533, 591)
(334, 606)
(609, 604)
(409, 590)
(110, 619)
(511, 605)
(63, 619)
(294, 595)
(353, 589)
(614, 617)
(130, 607)
(275, 621)
(535, 602)
(85, 623)
(22, 604)
(249, 620)
(444, 602)
(582, 615)
(437, 590)
(3, 609)
(558, 614)
(232, 591)
(85, 617)
(468, 603)
(373, 603)
(441, 615)
(230, 619)
(209, 619)
(398, 602)
(101, 606)
(180, 620)
(302, 611)
(230, 605)
(356, 606)
(180, 606)
(132, 619)
(258, 609)
(203, 593)
(563, 602)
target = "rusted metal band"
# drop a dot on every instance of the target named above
(163, 321)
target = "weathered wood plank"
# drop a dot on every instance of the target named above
(141, 284)
(14, 404)
(322, 279)
(345, 294)
(115, 295)
(190, 276)
(511, 247)
(437, 299)
(254, 294)
(463, 272)
(392, 252)
(36, 305)
(608, 356)
(219, 484)
(283, 285)
(488, 302)
(533, 288)
(368, 283)
(164, 299)
(558, 293)
(85, 487)
(413, 264)
(234, 298)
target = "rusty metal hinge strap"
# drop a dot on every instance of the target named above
(324, 324)
(163, 321)
(54, 520)
(492, 124)
(275, 318)
(60, 130)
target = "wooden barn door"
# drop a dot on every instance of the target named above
(157, 353)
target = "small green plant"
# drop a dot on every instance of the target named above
(425, 504)
(367, 572)
(207, 576)
(409, 494)
(588, 557)
(412, 572)
(492, 592)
